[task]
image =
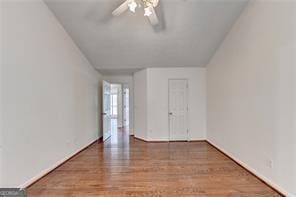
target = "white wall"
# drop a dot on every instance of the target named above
(129, 81)
(1, 73)
(158, 122)
(157, 101)
(140, 104)
(251, 92)
(49, 93)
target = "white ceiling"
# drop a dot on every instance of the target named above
(190, 32)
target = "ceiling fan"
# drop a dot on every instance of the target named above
(148, 5)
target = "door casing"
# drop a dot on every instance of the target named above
(106, 114)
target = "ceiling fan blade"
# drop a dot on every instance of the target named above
(153, 17)
(122, 8)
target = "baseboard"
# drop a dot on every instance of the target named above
(262, 178)
(139, 138)
(159, 141)
(45, 172)
(166, 141)
(198, 140)
(151, 141)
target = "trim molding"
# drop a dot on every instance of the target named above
(138, 138)
(263, 179)
(167, 141)
(45, 172)
(201, 140)
(151, 141)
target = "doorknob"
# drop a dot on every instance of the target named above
(170, 113)
(104, 114)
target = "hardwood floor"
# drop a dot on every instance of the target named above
(125, 166)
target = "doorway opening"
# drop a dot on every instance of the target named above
(116, 111)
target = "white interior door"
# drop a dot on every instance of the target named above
(178, 109)
(106, 110)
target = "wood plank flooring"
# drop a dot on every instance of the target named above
(125, 166)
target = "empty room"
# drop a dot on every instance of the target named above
(148, 98)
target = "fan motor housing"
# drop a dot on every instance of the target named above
(151, 3)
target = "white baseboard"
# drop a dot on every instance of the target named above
(167, 140)
(140, 138)
(156, 140)
(197, 139)
(259, 175)
(46, 171)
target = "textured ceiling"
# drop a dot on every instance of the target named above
(189, 34)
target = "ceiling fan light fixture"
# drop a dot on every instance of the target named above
(148, 6)
(132, 5)
(151, 3)
(148, 11)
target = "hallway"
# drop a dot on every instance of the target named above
(126, 166)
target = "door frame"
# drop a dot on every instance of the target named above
(104, 114)
(187, 111)
(126, 116)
